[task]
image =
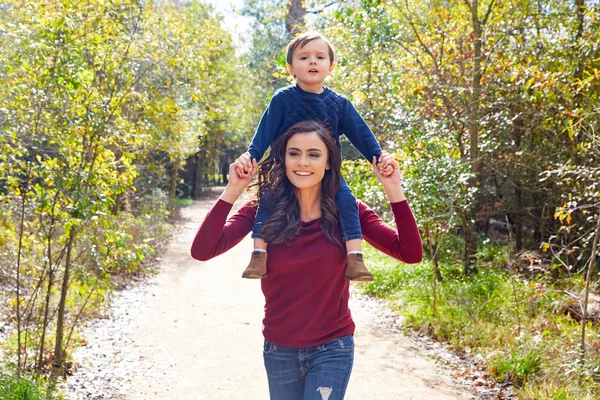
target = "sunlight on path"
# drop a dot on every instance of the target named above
(206, 324)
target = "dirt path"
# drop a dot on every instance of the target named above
(196, 334)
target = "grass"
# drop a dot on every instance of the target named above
(514, 322)
(182, 202)
(14, 388)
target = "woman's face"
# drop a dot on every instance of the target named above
(306, 160)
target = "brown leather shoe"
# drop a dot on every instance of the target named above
(356, 270)
(258, 266)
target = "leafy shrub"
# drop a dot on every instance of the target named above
(14, 388)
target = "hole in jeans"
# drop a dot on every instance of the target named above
(325, 392)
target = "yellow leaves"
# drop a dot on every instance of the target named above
(529, 83)
(570, 129)
(545, 247)
(358, 96)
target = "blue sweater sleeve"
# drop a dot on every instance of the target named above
(358, 132)
(270, 123)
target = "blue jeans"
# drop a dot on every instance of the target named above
(310, 373)
(346, 207)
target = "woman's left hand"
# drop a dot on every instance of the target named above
(386, 160)
(391, 182)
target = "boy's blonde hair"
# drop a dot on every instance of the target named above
(301, 40)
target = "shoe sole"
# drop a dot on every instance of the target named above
(360, 278)
(252, 276)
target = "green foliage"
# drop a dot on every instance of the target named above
(515, 323)
(183, 202)
(409, 68)
(14, 388)
(365, 186)
(516, 366)
(100, 105)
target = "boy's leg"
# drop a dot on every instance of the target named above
(257, 269)
(351, 233)
(354, 245)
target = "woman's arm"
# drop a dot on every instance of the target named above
(404, 242)
(218, 234)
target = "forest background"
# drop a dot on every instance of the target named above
(113, 111)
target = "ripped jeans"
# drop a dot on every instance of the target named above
(312, 373)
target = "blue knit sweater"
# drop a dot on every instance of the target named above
(291, 105)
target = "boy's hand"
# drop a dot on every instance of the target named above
(243, 165)
(391, 183)
(242, 170)
(394, 178)
(384, 164)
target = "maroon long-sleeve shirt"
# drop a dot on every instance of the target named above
(306, 295)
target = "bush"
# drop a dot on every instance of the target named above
(513, 321)
(14, 388)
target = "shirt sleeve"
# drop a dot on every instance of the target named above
(403, 243)
(217, 234)
(267, 129)
(358, 132)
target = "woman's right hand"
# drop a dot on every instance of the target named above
(242, 170)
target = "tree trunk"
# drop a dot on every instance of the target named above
(470, 244)
(435, 282)
(475, 92)
(473, 124)
(40, 361)
(18, 283)
(197, 183)
(60, 322)
(433, 246)
(590, 271)
(518, 216)
(294, 20)
(224, 172)
(174, 173)
(580, 9)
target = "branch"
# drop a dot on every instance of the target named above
(430, 78)
(468, 3)
(322, 8)
(487, 13)
(416, 33)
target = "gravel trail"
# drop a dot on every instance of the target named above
(194, 332)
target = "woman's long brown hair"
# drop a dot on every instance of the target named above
(279, 194)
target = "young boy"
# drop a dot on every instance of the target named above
(310, 59)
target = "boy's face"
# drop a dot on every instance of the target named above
(311, 64)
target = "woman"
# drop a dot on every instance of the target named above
(308, 329)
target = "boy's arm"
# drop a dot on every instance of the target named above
(358, 132)
(269, 124)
